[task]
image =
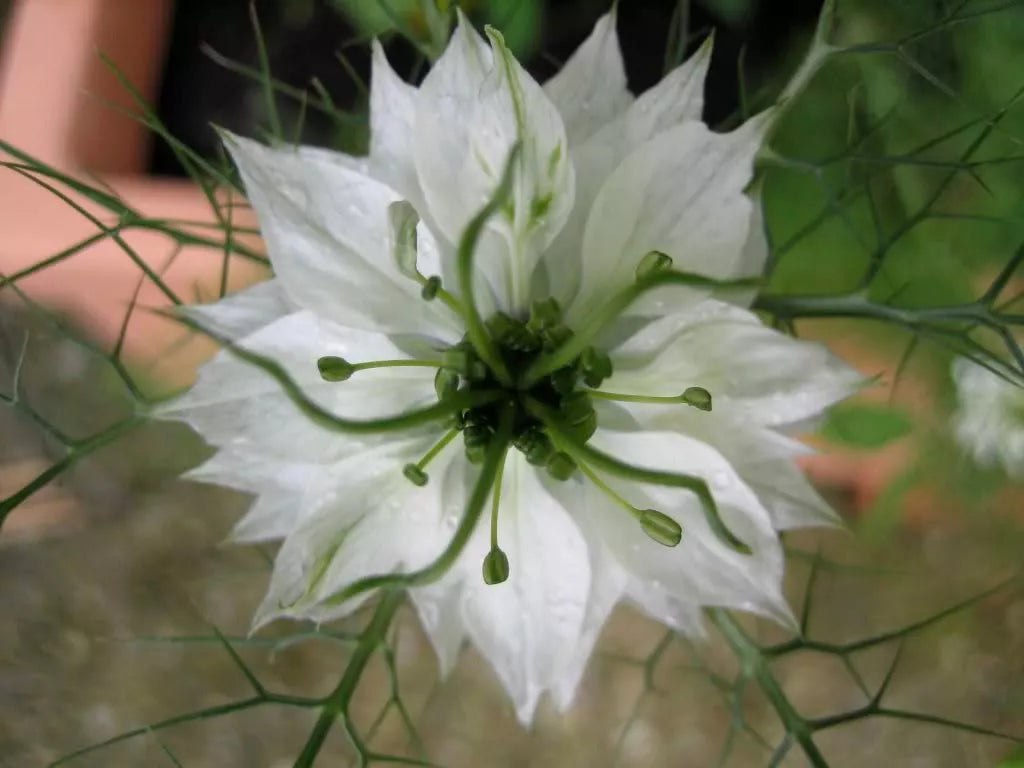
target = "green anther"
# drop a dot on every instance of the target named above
(577, 408)
(512, 334)
(560, 466)
(563, 381)
(446, 383)
(430, 288)
(660, 527)
(544, 313)
(651, 264)
(495, 567)
(555, 336)
(335, 368)
(596, 366)
(415, 475)
(698, 397)
(535, 445)
(475, 454)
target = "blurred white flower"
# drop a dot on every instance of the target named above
(583, 360)
(989, 422)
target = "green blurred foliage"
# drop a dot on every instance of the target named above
(865, 426)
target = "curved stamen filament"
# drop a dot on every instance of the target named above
(590, 329)
(608, 491)
(496, 500)
(585, 454)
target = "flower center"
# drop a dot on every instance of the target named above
(519, 343)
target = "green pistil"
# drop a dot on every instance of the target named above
(339, 369)
(415, 473)
(698, 397)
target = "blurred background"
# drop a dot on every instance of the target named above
(902, 156)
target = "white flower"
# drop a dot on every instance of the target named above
(990, 420)
(603, 184)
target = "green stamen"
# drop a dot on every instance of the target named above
(431, 287)
(414, 472)
(334, 368)
(698, 397)
(564, 441)
(659, 526)
(495, 566)
(653, 263)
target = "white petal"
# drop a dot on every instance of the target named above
(440, 610)
(529, 626)
(754, 373)
(677, 98)
(371, 521)
(326, 229)
(608, 582)
(474, 106)
(701, 569)
(243, 312)
(681, 193)
(764, 460)
(281, 487)
(591, 88)
(392, 130)
(234, 404)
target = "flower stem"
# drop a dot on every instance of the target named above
(337, 702)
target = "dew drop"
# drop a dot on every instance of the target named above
(720, 480)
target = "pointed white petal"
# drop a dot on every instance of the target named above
(701, 569)
(754, 373)
(326, 229)
(281, 488)
(474, 106)
(236, 405)
(681, 193)
(439, 607)
(591, 89)
(371, 520)
(244, 312)
(528, 627)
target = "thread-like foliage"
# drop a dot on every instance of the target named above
(848, 213)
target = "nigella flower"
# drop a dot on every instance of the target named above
(525, 308)
(989, 421)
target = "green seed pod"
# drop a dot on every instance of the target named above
(495, 567)
(577, 408)
(335, 368)
(651, 264)
(535, 445)
(698, 397)
(415, 475)
(660, 527)
(560, 466)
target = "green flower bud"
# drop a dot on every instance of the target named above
(560, 466)
(660, 527)
(446, 383)
(430, 288)
(335, 368)
(544, 313)
(698, 397)
(564, 380)
(535, 445)
(495, 567)
(555, 336)
(596, 366)
(651, 264)
(415, 475)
